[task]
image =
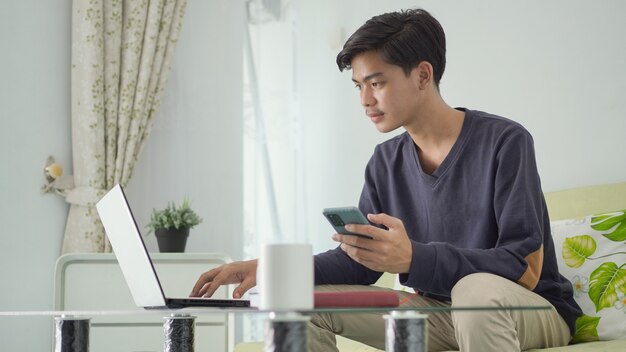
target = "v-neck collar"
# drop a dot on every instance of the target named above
(450, 159)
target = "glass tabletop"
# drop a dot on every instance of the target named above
(252, 310)
(143, 330)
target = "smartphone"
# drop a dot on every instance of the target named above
(339, 217)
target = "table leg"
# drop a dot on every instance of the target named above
(71, 334)
(179, 333)
(286, 332)
(406, 331)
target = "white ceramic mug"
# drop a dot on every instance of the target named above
(285, 277)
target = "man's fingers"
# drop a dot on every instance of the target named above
(209, 289)
(354, 241)
(203, 290)
(203, 280)
(238, 272)
(245, 285)
(219, 280)
(360, 255)
(367, 230)
(387, 220)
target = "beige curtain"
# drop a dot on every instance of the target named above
(121, 54)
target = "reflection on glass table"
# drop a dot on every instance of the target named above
(405, 327)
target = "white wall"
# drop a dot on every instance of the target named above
(195, 147)
(34, 123)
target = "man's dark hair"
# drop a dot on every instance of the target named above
(403, 38)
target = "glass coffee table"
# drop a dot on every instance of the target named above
(406, 328)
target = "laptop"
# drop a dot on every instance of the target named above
(134, 259)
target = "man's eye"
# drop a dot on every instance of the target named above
(357, 86)
(376, 84)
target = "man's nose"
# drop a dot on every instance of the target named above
(367, 99)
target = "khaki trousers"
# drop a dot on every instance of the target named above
(471, 331)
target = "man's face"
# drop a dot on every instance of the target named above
(390, 98)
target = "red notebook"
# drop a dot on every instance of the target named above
(356, 299)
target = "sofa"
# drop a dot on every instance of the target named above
(589, 232)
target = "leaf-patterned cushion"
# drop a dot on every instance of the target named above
(591, 253)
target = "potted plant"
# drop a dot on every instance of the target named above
(171, 226)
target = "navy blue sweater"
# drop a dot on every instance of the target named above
(481, 210)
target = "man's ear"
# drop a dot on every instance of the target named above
(424, 72)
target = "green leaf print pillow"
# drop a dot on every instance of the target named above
(591, 253)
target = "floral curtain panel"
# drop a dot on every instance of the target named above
(121, 55)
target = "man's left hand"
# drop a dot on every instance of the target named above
(387, 250)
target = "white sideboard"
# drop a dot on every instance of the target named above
(94, 281)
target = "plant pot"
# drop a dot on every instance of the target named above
(172, 240)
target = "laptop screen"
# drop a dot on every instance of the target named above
(130, 250)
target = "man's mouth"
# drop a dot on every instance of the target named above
(375, 116)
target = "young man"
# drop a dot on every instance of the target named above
(456, 202)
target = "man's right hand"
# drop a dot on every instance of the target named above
(242, 273)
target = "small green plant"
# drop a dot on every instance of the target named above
(173, 217)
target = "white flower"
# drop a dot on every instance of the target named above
(620, 304)
(581, 285)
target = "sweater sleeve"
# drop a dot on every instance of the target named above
(518, 207)
(335, 266)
